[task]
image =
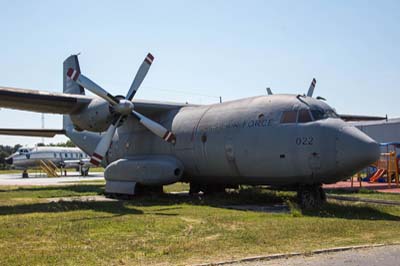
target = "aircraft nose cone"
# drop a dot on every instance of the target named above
(9, 160)
(355, 150)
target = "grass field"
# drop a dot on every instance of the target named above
(174, 230)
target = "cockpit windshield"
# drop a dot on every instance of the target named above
(304, 116)
(323, 114)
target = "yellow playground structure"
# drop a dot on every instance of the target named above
(387, 166)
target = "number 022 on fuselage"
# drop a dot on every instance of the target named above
(274, 140)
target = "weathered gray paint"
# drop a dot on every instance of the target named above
(241, 142)
(237, 142)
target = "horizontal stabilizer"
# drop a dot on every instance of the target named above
(361, 118)
(48, 133)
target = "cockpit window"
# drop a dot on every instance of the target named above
(289, 117)
(304, 116)
(323, 114)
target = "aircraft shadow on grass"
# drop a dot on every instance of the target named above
(113, 207)
(168, 202)
(99, 189)
(351, 212)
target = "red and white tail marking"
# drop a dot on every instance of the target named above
(96, 159)
(149, 59)
(73, 74)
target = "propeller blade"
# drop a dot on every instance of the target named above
(140, 75)
(311, 89)
(90, 85)
(104, 144)
(156, 128)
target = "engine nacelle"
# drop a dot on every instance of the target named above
(145, 170)
(96, 117)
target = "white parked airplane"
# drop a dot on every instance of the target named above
(50, 158)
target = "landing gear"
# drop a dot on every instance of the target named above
(84, 172)
(194, 188)
(142, 190)
(311, 196)
(206, 189)
(25, 174)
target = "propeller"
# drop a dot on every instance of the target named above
(311, 89)
(124, 107)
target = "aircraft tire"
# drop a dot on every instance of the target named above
(311, 196)
(322, 194)
(194, 188)
(85, 172)
(213, 189)
(142, 190)
(25, 174)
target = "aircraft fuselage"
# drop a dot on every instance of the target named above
(247, 142)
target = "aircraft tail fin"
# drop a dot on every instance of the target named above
(69, 86)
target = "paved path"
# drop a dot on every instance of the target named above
(378, 256)
(381, 187)
(40, 180)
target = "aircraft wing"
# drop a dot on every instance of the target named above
(146, 107)
(64, 103)
(49, 133)
(41, 101)
(351, 118)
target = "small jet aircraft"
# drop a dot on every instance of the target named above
(61, 157)
(281, 140)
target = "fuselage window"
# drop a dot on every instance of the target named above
(55, 155)
(289, 117)
(80, 155)
(304, 116)
(66, 155)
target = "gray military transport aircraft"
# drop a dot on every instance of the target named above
(292, 141)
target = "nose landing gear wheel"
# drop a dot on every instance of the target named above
(311, 196)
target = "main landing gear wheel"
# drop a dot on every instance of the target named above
(194, 188)
(206, 189)
(311, 196)
(84, 172)
(142, 190)
(25, 174)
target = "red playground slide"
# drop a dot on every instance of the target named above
(378, 174)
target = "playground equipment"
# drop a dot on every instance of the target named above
(388, 165)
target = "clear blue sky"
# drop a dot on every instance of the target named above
(230, 48)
